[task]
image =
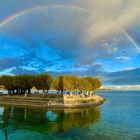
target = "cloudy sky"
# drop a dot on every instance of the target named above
(96, 38)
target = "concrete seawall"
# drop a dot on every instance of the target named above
(65, 100)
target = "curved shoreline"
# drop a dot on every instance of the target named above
(65, 101)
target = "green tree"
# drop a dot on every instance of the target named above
(21, 84)
(43, 82)
(9, 83)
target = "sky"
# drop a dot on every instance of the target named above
(76, 37)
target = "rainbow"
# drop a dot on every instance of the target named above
(27, 11)
(130, 38)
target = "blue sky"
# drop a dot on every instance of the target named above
(72, 37)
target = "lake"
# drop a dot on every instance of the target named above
(117, 119)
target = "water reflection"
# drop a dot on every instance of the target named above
(46, 121)
(1, 110)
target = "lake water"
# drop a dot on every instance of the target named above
(117, 119)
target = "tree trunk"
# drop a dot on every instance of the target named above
(29, 91)
(43, 93)
(13, 91)
(9, 91)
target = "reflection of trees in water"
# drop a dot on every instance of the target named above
(69, 118)
(46, 121)
(6, 117)
(5, 134)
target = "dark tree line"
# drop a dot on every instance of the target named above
(21, 84)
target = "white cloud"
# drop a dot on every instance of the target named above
(7, 71)
(97, 64)
(124, 58)
(125, 87)
(129, 68)
(30, 68)
(112, 50)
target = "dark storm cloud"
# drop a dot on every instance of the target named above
(131, 77)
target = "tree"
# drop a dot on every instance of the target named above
(70, 82)
(55, 83)
(26, 83)
(43, 82)
(97, 83)
(58, 84)
(61, 84)
(47, 81)
(18, 84)
(89, 83)
(21, 84)
(81, 84)
(9, 83)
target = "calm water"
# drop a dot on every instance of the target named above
(117, 119)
